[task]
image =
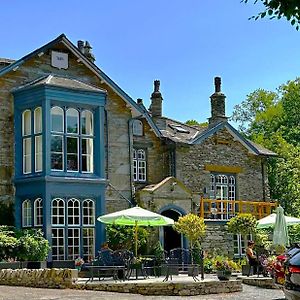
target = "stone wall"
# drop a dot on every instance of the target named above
(43, 278)
(217, 239)
(168, 288)
(220, 149)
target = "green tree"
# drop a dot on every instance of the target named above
(289, 9)
(272, 119)
(192, 226)
(193, 122)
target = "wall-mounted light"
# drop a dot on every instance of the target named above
(173, 185)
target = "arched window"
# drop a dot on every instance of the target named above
(26, 122)
(231, 188)
(73, 212)
(137, 127)
(38, 127)
(72, 116)
(57, 119)
(26, 213)
(87, 127)
(58, 211)
(38, 140)
(27, 141)
(139, 165)
(38, 212)
(88, 212)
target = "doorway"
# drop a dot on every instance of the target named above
(171, 238)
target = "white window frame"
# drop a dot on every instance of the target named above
(241, 242)
(73, 205)
(139, 165)
(58, 208)
(59, 237)
(38, 212)
(71, 153)
(60, 153)
(89, 156)
(90, 209)
(91, 115)
(38, 119)
(27, 155)
(88, 249)
(73, 249)
(24, 122)
(63, 118)
(26, 213)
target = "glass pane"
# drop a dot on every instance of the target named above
(87, 122)
(87, 155)
(57, 119)
(72, 154)
(56, 143)
(38, 120)
(26, 122)
(56, 161)
(72, 120)
(38, 154)
(27, 155)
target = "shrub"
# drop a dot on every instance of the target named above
(123, 237)
(8, 244)
(242, 223)
(32, 245)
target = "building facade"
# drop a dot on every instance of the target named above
(74, 146)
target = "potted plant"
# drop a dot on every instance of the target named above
(223, 268)
(78, 263)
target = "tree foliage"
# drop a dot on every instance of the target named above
(272, 119)
(192, 226)
(123, 237)
(242, 224)
(193, 122)
(289, 9)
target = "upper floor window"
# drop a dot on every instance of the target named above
(139, 165)
(137, 127)
(72, 145)
(222, 187)
(32, 139)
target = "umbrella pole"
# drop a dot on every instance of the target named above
(136, 238)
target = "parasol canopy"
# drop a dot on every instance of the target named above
(280, 234)
(136, 216)
(269, 221)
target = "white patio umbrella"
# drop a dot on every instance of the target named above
(269, 221)
(280, 234)
(136, 216)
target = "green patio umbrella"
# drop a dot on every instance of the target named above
(280, 234)
(136, 216)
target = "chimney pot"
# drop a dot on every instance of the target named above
(156, 100)
(139, 101)
(80, 45)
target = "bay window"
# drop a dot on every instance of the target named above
(71, 148)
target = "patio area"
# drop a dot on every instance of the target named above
(180, 285)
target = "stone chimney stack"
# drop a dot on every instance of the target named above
(217, 100)
(86, 50)
(156, 101)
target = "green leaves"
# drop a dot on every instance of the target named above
(192, 226)
(242, 224)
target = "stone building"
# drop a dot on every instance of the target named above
(74, 145)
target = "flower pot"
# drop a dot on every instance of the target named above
(223, 275)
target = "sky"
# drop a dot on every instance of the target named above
(184, 44)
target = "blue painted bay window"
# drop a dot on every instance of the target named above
(59, 163)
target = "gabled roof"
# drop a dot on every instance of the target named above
(58, 81)
(252, 147)
(179, 132)
(168, 180)
(68, 44)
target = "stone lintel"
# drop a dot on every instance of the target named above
(223, 169)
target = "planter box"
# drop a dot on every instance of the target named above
(10, 265)
(61, 264)
(247, 270)
(34, 264)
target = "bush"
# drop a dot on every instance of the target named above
(123, 237)
(32, 245)
(242, 224)
(8, 244)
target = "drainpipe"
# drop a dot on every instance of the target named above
(130, 142)
(263, 177)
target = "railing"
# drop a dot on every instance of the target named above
(226, 209)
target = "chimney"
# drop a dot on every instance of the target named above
(156, 101)
(80, 45)
(139, 101)
(217, 100)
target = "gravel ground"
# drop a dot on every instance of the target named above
(22, 293)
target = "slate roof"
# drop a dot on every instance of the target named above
(179, 132)
(64, 82)
(6, 61)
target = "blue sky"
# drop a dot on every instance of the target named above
(185, 44)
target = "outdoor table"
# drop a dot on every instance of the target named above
(173, 269)
(137, 267)
(95, 270)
